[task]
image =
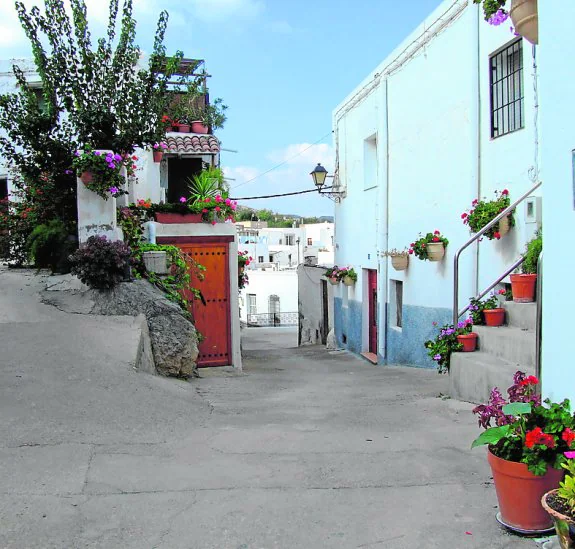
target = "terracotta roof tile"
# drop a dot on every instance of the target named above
(192, 144)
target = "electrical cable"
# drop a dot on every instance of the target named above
(277, 195)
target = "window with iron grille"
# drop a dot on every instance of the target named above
(506, 79)
(252, 306)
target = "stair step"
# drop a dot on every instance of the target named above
(473, 375)
(521, 315)
(507, 342)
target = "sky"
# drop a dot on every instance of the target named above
(281, 66)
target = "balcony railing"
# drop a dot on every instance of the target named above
(273, 319)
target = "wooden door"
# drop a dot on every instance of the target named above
(212, 320)
(372, 292)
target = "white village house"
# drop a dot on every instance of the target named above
(459, 110)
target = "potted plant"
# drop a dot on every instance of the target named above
(465, 336)
(488, 312)
(347, 275)
(214, 116)
(526, 446)
(523, 284)
(100, 171)
(399, 260)
(560, 503)
(448, 341)
(484, 211)
(159, 149)
(523, 14)
(431, 246)
(331, 275)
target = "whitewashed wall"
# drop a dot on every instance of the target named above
(557, 143)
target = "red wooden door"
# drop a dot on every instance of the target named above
(372, 292)
(212, 320)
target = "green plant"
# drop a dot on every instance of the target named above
(177, 282)
(101, 263)
(206, 184)
(49, 246)
(211, 209)
(440, 348)
(347, 272)
(494, 11)
(244, 259)
(131, 219)
(105, 169)
(484, 211)
(526, 430)
(419, 247)
(533, 250)
(566, 489)
(477, 306)
(214, 116)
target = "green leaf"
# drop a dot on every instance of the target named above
(517, 408)
(491, 436)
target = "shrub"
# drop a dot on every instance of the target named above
(49, 246)
(101, 263)
(531, 257)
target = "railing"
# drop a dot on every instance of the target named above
(476, 236)
(539, 317)
(273, 319)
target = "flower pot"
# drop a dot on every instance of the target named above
(523, 287)
(199, 127)
(564, 525)
(435, 251)
(333, 281)
(170, 218)
(176, 128)
(469, 342)
(86, 177)
(348, 281)
(523, 13)
(158, 155)
(519, 494)
(184, 128)
(399, 262)
(156, 262)
(494, 317)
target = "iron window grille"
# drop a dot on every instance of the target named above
(506, 82)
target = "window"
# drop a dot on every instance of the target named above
(370, 163)
(281, 241)
(3, 188)
(271, 258)
(274, 304)
(290, 240)
(260, 258)
(396, 313)
(506, 80)
(252, 307)
(309, 241)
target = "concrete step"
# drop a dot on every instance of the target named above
(473, 375)
(521, 315)
(507, 342)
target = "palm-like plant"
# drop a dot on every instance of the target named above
(207, 184)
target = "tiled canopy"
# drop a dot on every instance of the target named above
(192, 144)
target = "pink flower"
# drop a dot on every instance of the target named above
(207, 199)
(205, 211)
(218, 198)
(569, 455)
(228, 201)
(213, 222)
(182, 199)
(218, 209)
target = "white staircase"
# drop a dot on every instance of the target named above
(501, 352)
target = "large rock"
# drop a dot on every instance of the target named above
(173, 337)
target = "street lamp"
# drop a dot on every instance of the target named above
(319, 175)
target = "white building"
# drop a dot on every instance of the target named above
(417, 141)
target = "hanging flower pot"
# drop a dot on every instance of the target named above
(435, 251)
(523, 287)
(333, 281)
(564, 525)
(494, 317)
(348, 281)
(199, 127)
(519, 494)
(469, 342)
(400, 262)
(158, 155)
(523, 13)
(86, 177)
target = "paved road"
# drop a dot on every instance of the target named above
(306, 449)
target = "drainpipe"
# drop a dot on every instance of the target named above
(476, 153)
(383, 214)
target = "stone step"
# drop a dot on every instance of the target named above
(521, 315)
(509, 343)
(473, 375)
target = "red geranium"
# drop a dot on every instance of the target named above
(537, 436)
(568, 436)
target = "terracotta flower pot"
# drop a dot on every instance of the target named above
(400, 262)
(519, 494)
(170, 218)
(435, 251)
(333, 281)
(469, 342)
(494, 317)
(564, 526)
(348, 281)
(199, 127)
(184, 128)
(504, 226)
(523, 13)
(523, 287)
(86, 177)
(158, 155)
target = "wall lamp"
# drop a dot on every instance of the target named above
(319, 175)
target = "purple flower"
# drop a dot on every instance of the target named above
(97, 153)
(67, 172)
(111, 165)
(156, 145)
(182, 199)
(117, 158)
(77, 153)
(113, 190)
(569, 455)
(437, 357)
(497, 18)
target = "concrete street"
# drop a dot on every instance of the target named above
(306, 449)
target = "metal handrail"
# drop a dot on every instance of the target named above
(539, 317)
(476, 236)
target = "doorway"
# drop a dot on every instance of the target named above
(180, 170)
(372, 309)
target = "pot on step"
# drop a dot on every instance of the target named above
(494, 317)
(469, 342)
(564, 525)
(523, 287)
